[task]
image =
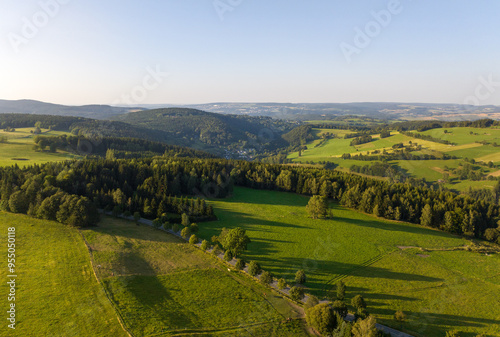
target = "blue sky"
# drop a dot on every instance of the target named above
(83, 52)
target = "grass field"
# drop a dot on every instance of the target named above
(432, 170)
(57, 292)
(163, 286)
(19, 149)
(365, 252)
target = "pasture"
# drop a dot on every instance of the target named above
(57, 292)
(370, 255)
(163, 286)
(19, 149)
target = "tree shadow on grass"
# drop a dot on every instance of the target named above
(393, 227)
(151, 295)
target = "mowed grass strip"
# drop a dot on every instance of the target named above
(57, 292)
(162, 285)
(365, 252)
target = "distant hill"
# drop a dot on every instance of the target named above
(196, 128)
(42, 108)
(382, 110)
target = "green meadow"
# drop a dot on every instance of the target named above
(373, 257)
(57, 292)
(163, 286)
(466, 140)
(19, 149)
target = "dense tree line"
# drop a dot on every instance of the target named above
(121, 146)
(150, 186)
(361, 140)
(396, 155)
(377, 169)
(421, 126)
(61, 123)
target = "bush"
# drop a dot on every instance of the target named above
(228, 256)
(266, 277)
(137, 217)
(340, 308)
(127, 214)
(194, 228)
(358, 302)
(185, 232)
(312, 301)
(205, 245)
(281, 284)
(193, 239)
(240, 264)
(321, 318)
(400, 316)
(300, 277)
(253, 268)
(156, 223)
(365, 327)
(167, 225)
(216, 251)
(175, 228)
(296, 293)
(361, 313)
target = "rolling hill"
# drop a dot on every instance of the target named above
(26, 106)
(200, 129)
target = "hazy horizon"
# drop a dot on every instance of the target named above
(131, 53)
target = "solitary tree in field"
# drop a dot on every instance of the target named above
(234, 240)
(185, 232)
(204, 245)
(253, 268)
(340, 290)
(266, 277)
(317, 207)
(322, 318)
(296, 293)
(358, 302)
(365, 328)
(240, 264)
(300, 277)
(193, 239)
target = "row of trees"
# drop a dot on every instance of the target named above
(145, 186)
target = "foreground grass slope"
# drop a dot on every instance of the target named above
(439, 289)
(57, 292)
(163, 286)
